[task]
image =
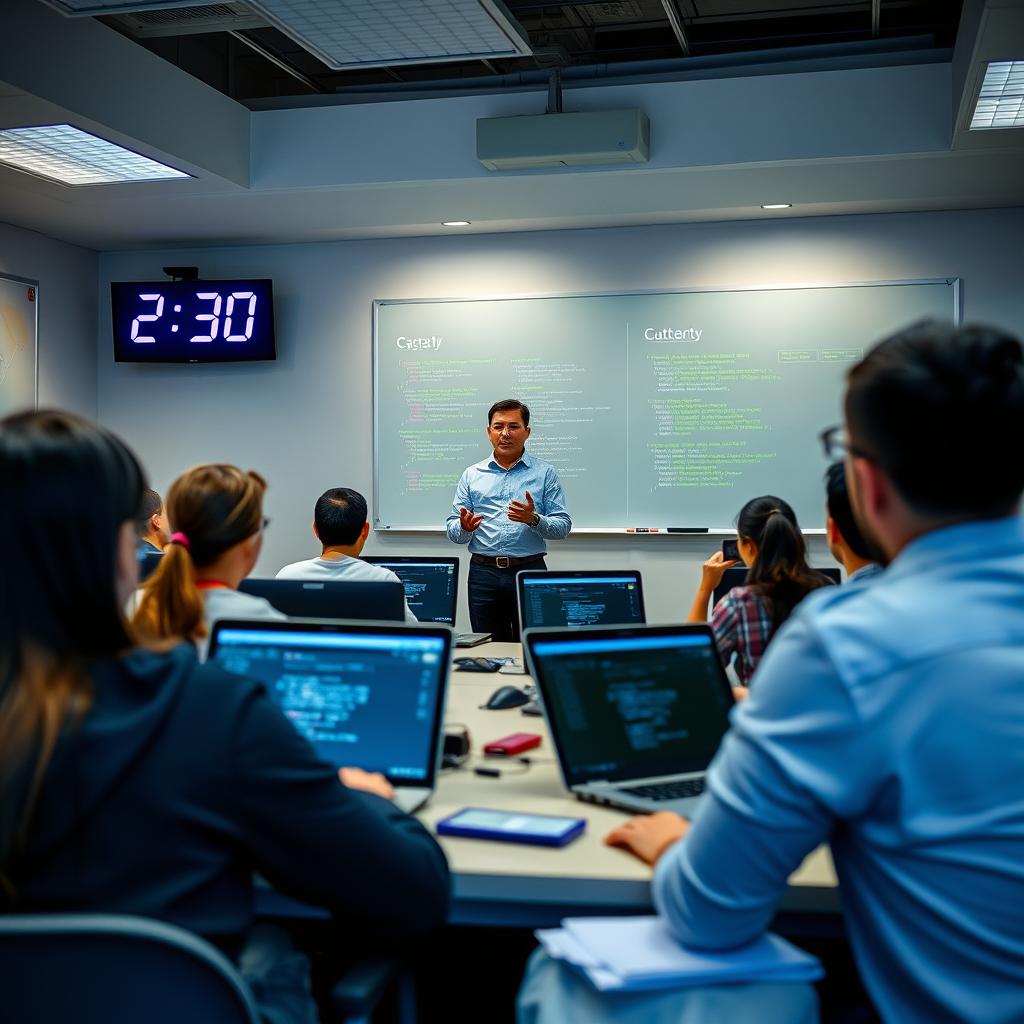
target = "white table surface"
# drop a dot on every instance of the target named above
(503, 883)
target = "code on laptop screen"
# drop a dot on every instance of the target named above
(581, 601)
(633, 707)
(429, 588)
(364, 701)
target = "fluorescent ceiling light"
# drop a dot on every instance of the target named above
(455, 223)
(380, 33)
(81, 8)
(776, 206)
(1001, 100)
(66, 154)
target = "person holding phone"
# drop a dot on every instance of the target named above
(506, 508)
(770, 543)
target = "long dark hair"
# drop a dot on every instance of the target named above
(63, 477)
(780, 575)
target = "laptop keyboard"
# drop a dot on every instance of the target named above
(677, 789)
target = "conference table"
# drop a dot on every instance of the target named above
(514, 885)
(500, 883)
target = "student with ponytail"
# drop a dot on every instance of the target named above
(137, 781)
(216, 513)
(745, 620)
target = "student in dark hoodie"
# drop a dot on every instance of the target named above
(141, 782)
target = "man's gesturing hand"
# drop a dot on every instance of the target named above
(522, 511)
(469, 521)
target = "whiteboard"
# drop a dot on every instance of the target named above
(19, 304)
(660, 410)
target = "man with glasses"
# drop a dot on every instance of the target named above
(505, 508)
(887, 720)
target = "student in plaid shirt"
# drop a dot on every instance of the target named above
(745, 620)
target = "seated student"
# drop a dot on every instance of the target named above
(153, 522)
(845, 540)
(341, 525)
(745, 620)
(137, 781)
(216, 512)
(887, 719)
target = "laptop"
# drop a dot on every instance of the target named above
(636, 713)
(737, 577)
(366, 695)
(332, 599)
(431, 590)
(610, 598)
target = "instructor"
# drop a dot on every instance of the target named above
(505, 508)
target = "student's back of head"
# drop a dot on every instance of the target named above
(941, 410)
(340, 517)
(213, 510)
(60, 605)
(779, 573)
(847, 543)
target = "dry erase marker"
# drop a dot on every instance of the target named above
(642, 529)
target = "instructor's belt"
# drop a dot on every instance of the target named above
(505, 561)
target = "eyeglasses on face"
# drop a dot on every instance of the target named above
(836, 444)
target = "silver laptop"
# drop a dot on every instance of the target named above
(636, 713)
(366, 695)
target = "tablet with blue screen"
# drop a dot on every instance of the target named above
(510, 827)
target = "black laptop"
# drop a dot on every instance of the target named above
(736, 576)
(367, 695)
(333, 599)
(608, 598)
(636, 714)
(431, 584)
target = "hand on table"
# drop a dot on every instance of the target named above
(522, 511)
(468, 520)
(648, 836)
(368, 782)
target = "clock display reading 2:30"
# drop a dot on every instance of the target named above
(239, 316)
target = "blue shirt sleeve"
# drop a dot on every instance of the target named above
(795, 760)
(456, 533)
(554, 523)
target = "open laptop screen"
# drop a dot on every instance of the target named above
(431, 585)
(370, 699)
(632, 706)
(580, 599)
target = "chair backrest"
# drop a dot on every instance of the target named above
(101, 968)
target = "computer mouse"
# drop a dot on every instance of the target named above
(506, 697)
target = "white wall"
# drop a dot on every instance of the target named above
(67, 314)
(305, 421)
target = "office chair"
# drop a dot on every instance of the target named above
(100, 968)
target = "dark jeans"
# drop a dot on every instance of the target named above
(492, 599)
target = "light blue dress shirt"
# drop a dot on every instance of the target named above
(866, 573)
(487, 488)
(887, 720)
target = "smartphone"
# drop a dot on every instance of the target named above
(538, 829)
(731, 549)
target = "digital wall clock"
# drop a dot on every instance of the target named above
(192, 321)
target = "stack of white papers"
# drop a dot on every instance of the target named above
(630, 954)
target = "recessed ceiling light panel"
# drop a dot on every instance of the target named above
(83, 8)
(380, 33)
(776, 206)
(66, 154)
(1001, 100)
(455, 223)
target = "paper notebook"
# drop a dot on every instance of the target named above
(640, 953)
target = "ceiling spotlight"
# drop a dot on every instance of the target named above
(455, 223)
(776, 206)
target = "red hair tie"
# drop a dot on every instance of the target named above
(180, 538)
